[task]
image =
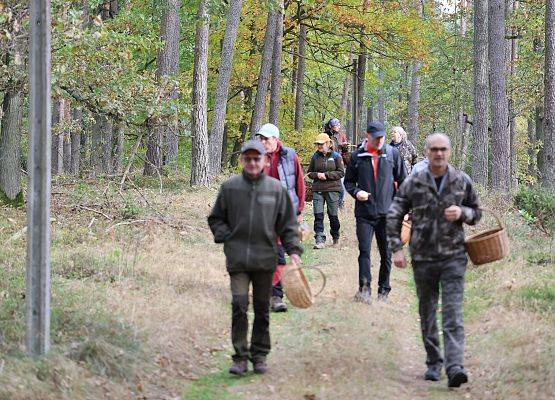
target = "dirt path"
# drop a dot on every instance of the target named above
(339, 349)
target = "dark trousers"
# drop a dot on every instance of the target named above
(430, 277)
(331, 200)
(366, 228)
(260, 338)
(277, 289)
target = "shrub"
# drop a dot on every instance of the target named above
(537, 206)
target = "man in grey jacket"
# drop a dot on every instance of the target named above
(252, 210)
(442, 199)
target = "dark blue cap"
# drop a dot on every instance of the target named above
(376, 129)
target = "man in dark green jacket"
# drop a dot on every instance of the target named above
(250, 213)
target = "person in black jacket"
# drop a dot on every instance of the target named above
(373, 175)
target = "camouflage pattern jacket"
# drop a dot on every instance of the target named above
(408, 153)
(433, 237)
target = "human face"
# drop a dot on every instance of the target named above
(323, 147)
(253, 163)
(396, 136)
(376, 143)
(269, 143)
(438, 152)
(336, 128)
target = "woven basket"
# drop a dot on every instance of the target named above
(305, 232)
(308, 191)
(405, 232)
(296, 287)
(488, 246)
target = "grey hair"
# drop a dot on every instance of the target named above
(435, 136)
(401, 131)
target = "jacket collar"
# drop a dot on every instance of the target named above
(364, 153)
(253, 180)
(425, 177)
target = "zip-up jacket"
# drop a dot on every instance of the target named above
(248, 217)
(433, 237)
(330, 164)
(360, 176)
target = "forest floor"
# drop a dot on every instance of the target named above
(141, 310)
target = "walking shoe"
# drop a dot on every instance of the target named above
(277, 304)
(457, 376)
(335, 242)
(238, 368)
(433, 373)
(259, 367)
(320, 245)
(363, 296)
(382, 295)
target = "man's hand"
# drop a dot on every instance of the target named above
(299, 218)
(322, 176)
(399, 259)
(296, 259)
(453, 213)
(362, 195)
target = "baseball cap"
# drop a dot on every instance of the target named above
(268, 130)
(322, 138)
(334, 122)
(376, 129)
(254, 145)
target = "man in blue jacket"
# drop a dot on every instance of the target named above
(373, 174)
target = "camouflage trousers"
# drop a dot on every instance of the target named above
(448, 276)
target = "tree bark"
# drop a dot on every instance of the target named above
(77, 116)
(539, 117)
(361, 77)
(10, 146)
(264, 76)
(118, 149)
(480, 140)
(354, 105)
(548, 171)
(275, 99)
(56, 159)
(66, 137)
(414, 98)
(222, 85)
(301, 70)
(199, 155)
(513, 6)
(501, 155)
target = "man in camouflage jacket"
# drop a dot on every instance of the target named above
(442, 199)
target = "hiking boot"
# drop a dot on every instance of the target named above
(277, 304)
(382, 296)
(433, 373)
(364, 296)
(259, 367)
(320, 245)
(239, 368)
(457, 376)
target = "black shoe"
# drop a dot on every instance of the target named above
(382, 296)
(433, 373)
(238, 368)
(364, 295)
(457, 376)
(259, 367)
(277, 304)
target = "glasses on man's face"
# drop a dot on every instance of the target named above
(439, 149)
(250, 159)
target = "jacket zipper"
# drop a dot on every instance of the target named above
(251, 214)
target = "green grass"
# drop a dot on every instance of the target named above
(538, 298)
(216, 386)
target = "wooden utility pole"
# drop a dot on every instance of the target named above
(38, 204)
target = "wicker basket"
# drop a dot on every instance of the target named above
(308, 191)
(305, 232)
(296, 287)
(405, 232)
(488, 246)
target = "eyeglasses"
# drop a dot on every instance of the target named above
(249, 159)
(438, 149)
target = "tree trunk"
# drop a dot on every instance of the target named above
(501, 155)
(414, 98)
(480, 139)
(513, 56)
(107, 146)
(381, 97)
(301, 70)
(118, 149)
(369, 114)
(539, 117)
(66, 137)
(56, 159)
(199, 155)
(548, 171)
(222, 85)
(361, 77)
(354, 105)
(10, 147)
(76, 141)
(264, 75)
(275, 99)
(84, 162)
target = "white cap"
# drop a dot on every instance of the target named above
(269, 130)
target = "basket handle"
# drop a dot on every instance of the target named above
(494, 215)
(324, 280)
